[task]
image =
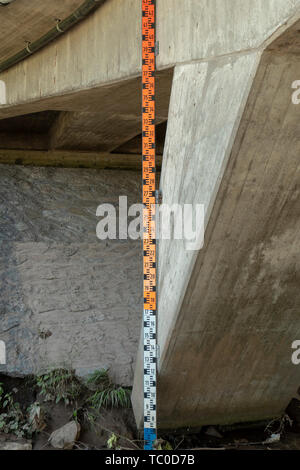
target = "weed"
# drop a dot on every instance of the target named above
(279, 425)
(161, 444)
(99, 378)
(36, 417)
(112, 397)
(12, 419)
(59, 385)
(112, 441)
(107, 394)
(89, 418)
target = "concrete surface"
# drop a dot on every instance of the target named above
(106, 47)
(99, 120)
(228, 314)
(193, 30)
(67, 298)
(25, 20)
(199, 140)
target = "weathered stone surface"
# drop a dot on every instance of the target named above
(67, 298)
(10, 442)
(58, 204)
(65, 437)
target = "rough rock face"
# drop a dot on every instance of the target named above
(67, 298)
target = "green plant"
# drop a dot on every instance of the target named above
(107, 394)
(114, 398)
(99, 378)
(59, 385)
(36, 417)
(12, 419)
(112, 441)
(161, 444)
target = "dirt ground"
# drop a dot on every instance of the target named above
(120, 422)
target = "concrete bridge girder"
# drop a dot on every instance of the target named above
(105, 48)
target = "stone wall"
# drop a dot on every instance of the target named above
(67, 298)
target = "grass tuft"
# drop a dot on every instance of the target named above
(107, 394)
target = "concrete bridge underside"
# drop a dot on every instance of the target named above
(228, 314)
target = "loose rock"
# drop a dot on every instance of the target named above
(66, 436)
(213, 432)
